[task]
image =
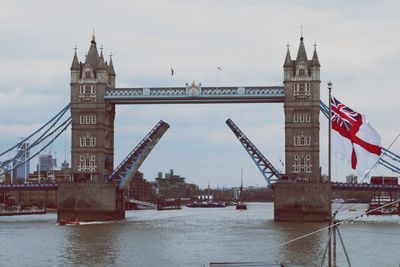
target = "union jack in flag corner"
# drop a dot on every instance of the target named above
(353, 138)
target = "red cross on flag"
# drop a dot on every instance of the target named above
(354, 139)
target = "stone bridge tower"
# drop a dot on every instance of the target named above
(92, 144)
(304, 197)
(301, 106)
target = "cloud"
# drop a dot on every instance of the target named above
(357, 47)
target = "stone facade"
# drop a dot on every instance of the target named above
(301, 106)
(92, 144)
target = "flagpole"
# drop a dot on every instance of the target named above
(329, 132)
(330, 172)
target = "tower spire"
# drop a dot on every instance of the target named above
(301, 32)
(75, 61)
(93, 38)
(288, 59)
(301, 53)
(111, 65)
(315, 61)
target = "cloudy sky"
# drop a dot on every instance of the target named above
(358, 45)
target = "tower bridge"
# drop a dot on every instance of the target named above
(93, 100)
(98, 189)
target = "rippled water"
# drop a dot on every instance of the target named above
(193, 237)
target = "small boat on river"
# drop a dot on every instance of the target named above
(241, 205)
(69, 221)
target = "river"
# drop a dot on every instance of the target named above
(194, 237)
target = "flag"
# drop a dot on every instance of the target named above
(219, 68)
(354, 139)
(172, 71)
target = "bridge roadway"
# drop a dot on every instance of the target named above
(195, 94)
(335, 186)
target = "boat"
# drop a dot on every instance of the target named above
(169, 204)
(209, 204)
(241, 205)
(69, 221)
(17, 210)
(206, 201)
(384, 203)
(380, 205)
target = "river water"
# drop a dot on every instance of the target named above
(194, 237)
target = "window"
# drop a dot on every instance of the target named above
(301, 140)
(301, 117)
(302, 72)
(302, 163)
(296, 117)
(88, 74)
(87, 163)
(87, 141)
(302, 90)
(87, 119)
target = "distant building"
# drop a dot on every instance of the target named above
(46, 163)
(21, 172)
(174, 186)
(64, 165)
(141, 189)
(351, 179)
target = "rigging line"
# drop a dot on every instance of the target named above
(326, 248)
(41, 128)
(380, 157)
(6, 171)
(344, 248)
(353, 218)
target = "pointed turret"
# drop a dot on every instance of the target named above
(111, 66)
(315, 61)
(92, 57)
(75, 62)
(301, 54)
(101, 55)
(101, 64)
(288, 59)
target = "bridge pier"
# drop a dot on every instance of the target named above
(302, 201)
(90, 201)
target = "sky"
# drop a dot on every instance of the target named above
(357, 42)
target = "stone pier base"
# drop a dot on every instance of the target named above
(302, 202)
(90, 201)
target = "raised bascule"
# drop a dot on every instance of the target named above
(300, 194)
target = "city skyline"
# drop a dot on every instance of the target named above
(195, 39)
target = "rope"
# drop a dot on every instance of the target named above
(353, 218)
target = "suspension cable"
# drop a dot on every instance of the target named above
(67, 122)
(61, 113)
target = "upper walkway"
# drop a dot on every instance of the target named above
(195, 94)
